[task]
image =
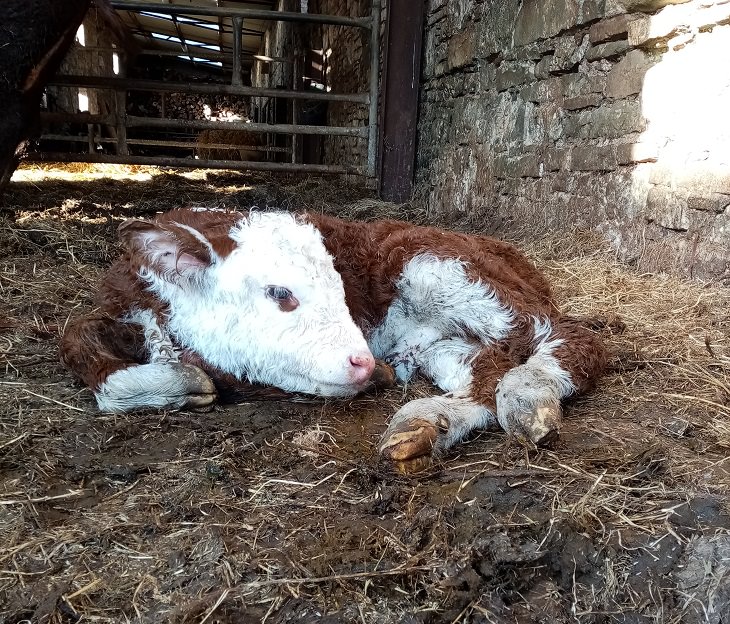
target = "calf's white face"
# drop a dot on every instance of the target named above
(265, 305)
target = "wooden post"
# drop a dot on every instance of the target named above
(401, 82)
(121, 109)
(237, 78)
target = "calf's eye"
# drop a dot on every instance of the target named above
(282, 296)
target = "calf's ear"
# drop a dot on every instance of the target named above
(168, 252)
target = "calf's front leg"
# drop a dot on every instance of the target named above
(130, 366)
(434, 424)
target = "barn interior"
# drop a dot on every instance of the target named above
(560, 118)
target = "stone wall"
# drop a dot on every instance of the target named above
(85, 58)
(347, 53)
(278, 42)
(583, 114)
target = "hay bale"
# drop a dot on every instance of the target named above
(244, 145)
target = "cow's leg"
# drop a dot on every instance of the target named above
(566, 360)
(127, 371)
(434, 424)
(524, 398)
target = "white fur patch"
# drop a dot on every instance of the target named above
(448, 363)
(543, 359)
(438, 321)
(157, 341)
(159, 385)
(304, 350)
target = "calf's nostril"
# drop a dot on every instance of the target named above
(363, 365)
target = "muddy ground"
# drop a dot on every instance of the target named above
(282, 512)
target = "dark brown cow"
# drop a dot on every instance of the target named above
(34, 36)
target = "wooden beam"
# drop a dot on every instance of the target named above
(236, 71)
(258, 14)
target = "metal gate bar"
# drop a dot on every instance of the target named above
(134, 84)
(159, 161)
(260, 14)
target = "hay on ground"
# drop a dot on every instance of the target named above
(279, 512)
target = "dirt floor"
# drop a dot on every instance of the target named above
(282, 512)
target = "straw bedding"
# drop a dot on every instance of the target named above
(281, 512)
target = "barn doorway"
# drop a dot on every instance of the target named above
(225, 85)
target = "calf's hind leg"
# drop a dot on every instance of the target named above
(113, 359)
(566, 360)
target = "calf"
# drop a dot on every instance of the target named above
(204, 301)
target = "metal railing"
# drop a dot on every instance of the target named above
(121, 122)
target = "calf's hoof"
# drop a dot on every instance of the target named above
(528, 404)
(538, 425)
(200, 390)
(409, 439)
(429, 426)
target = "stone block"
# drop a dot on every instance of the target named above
(582, 101)
(697, 180)
(527, 166)
(632, 153)
(555, 159)
(554, 116)
(606, 50)
(612, 120)
(611, 29)
(593, 158)
(668, 208)
(581, 84)
(532, 52)
(568, 53)
(550, 90)
(501, 166)
(640, 31)
(462, 48)
(700, 179)
(591, 10)
(651, 30)
(627, 76)
(661, 175)
(541, 19)
(433, 6)
(496, 27)
(542, 69)
(712, 202)
(562, 183)
(512, 74)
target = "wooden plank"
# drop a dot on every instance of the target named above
(400, 85)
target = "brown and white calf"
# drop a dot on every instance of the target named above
(305, 303)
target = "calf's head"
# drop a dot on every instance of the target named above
(256, 296)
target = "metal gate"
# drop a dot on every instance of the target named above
(118, 136)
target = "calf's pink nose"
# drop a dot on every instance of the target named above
(363, 365)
